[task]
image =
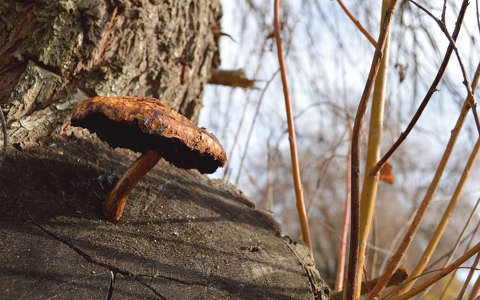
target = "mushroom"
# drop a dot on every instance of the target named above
(146, 125)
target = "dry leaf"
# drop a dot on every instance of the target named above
(386, 173)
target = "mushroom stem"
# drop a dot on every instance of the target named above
(117, 198)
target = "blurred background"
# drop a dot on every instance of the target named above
(328, 61)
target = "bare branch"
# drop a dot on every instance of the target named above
(291, 135)
(252, 126)
(342, 254)
(466, 82)
(444, 272)
(357, 24)
(352, 287)
(428, 96)
(444, 9)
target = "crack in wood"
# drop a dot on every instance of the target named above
(112, 282)
(90, 259)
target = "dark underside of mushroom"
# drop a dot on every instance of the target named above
(172, 150)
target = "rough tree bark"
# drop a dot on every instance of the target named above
(182, 236)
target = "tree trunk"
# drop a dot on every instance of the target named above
(182, 235)
(55, 53)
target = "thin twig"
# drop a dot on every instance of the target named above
(470, 273)
(470, 236)
(346, 219)
(475, 292)
(469, 277)
(442, 224)
(227, 171)
(444, 272)
(388, 294)
(357, 24)
(323, 165)
(459, 239)
(444, 9)
(466, 82)
(478, 15)
(291, 133)
(252, 126)
(352, 286)
(395, 242)
(428, 96)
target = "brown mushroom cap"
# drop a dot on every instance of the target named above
(141, 123)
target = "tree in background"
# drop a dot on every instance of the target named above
(326, 56)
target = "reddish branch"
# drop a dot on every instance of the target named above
(346, 218)
(302, 214)
(355, 152)
(357, 23)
